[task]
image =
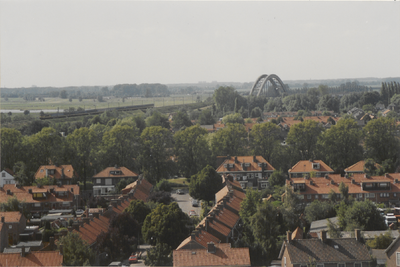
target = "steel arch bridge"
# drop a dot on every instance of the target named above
(265, 81)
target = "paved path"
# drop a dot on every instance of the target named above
(185, 202)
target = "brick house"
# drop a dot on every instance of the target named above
(6, 177)
(63, 173)
(305, 167)
(34, 258)
(14, 223)
(250, 171)
(379, 189)
(358, 168)
(324, 252)
(393, 253)
(106, 180)
(213, 255)
(44, 198)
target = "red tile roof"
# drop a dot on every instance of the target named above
(200, 237)
(34, 258)
(22, 193)
(141, 189)
(224, 255)
(324, 186)
(68, 172)
(11, 216)
(106, 173)
(359, 167)
(244, 159)
(307, 166)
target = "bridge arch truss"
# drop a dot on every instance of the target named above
(264, 82)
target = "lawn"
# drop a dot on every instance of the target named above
(60, 104)
(179, 182)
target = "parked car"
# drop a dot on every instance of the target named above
(79, 212)
(195, 203)
(192, 213)
(133, 258)
(180, 192)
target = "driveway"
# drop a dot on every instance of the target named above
(185, 202)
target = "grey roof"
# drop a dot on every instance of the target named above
(379, 255)
(370, 234)
(317, 226)
(16, 250)
(30, 244)
(332, 250)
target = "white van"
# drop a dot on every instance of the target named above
(390, 218)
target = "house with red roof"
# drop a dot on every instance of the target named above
(358, 167)
(315, 168)
(140, 189)
(7, 177)
(41, 199)
(106, 180)
(250, 171)
(215, 254)
(379, 189)
(340, 252)
(31, 258)
(65, 174)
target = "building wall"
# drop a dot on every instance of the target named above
(391, 255)
(6, 178)
(286, 256)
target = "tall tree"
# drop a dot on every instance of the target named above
(121, 145)
(181, 119)
(157, 119)
(166, 224)
(139, 210)
(340, 146)
(82, 142)
(46, 144)
(231, 140)
(156, 144)
(191, 150)
(303, 138)
(76, 251)
(380, 139)
(205, 184)
(264, 138)
(11, 141)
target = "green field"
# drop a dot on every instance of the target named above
(61, 104)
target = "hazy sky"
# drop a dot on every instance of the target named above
(63, 43)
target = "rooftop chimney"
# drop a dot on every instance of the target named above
(323, 236)
(357, 233)
(23, 251)
(2, 219)
(254, 159)
(289, 236)
(210, 247)
(193, 236)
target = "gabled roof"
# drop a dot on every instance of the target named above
(332, 250)
(221, 193)
(199, 238)
(68, 172)
(297, 234)
(11, 216)
(359, 167)
(34, 258)
(392, 244)
(237, 164)
(22, 193)
(106, 173)
(305, 166)
(9, 171)
(224, 255)
(322, 185)
(141, 189)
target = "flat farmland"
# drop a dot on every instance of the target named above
(60, 104)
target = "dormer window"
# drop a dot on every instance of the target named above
(115, 172)
(315, 166)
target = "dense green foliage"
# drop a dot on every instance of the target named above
(205, 184)
(76, 252)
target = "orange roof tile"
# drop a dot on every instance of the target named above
(224, 255)
(359, 167)
(221, 193)
(106, 173)
(324, 186)
(11, 216)
(305, 166)
(244, 159)
(201, 237)
(34, 258)
(22, 193)
(68, 171)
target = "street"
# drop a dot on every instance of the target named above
(185, 202)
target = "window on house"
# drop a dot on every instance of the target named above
(108, 181)
(398, 258)
(325, 196)
(37, 205)
(316, 196)
(384, 194)
(284, 261)
(301, 196)
(394, 194)
(10, 226)
(357, 264)
(263, 185)
(98, 181)
(3, 174)
(341, 265)
(308, 196)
